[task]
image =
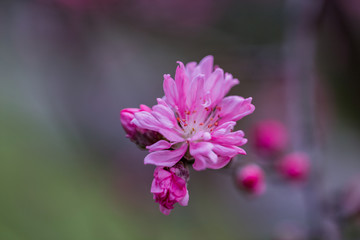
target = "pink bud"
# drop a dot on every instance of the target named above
(251, 179)
(294, 166)
(126, 116)
(169, 186)
(270, 137)
(141, 137)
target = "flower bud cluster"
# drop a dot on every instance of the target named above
(270, 141)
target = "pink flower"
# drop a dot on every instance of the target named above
(169, 187)
(251, 179)
(270, 137)
(294, 166)
(195, 118)
(140, 136)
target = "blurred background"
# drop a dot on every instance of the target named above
(67, 68)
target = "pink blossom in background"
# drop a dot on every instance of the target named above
(251, 179)
(195, 118)
(169, 187)
(270, 137)
(139, 136)
(294, 166)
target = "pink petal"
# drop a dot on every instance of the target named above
(159, 145)
(229, 82)
(214, 84)
(162, 123)
(171, 134)
(163, 174)
(230, 151)
(164, 210)
(206, 65)
(232, 138)
(166, 158)
(222, 162)
(146, 120)
(190, 67)
(145, 108)
(185, 200)
(224, 128)
(203, 155)
(170, 90)
(182, 82)
(155, 188)
(234, 108)
(195, 91)
(164, 115)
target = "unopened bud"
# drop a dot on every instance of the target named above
(251, 179)
(294, 166)
(170, 186)
(270, 137)
(141, 137)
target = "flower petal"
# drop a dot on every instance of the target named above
(155, 188)
(190, 68)
(185, 200)
(171, 135)
(164, 115)
(229, 151)
(182, 82)
(195, 92)
(224, 128)
(234, 108)
(145, 108)
(164, 210)
(159, 145)
(170, 90)
(203, 155)
(146, 120)
(166, 158)
(206, 65)
(229, 82)
(222, 162)
(231, 138)
(214, 84)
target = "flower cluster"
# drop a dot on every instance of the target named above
(270, 141)
(193, 124)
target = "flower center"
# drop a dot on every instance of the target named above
(203, 119)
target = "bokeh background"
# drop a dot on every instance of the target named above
(67, 68)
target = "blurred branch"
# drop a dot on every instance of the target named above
(300, 74)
